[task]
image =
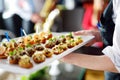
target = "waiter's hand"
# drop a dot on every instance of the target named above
(95, 33)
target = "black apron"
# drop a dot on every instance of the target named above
(107, 25)
(106, 28)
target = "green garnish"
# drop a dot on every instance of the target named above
(62, 36)
(70, 33)
(79, 38)
(31, 36)
(60, 47)
(51, 39)
(72, 40)
(14, 51)
(12, 40)
(20, 49)
(28, 45)
(11, 53)
(54, 38)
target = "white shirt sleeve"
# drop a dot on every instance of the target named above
(26, 15)
(25, 12)
(13, 8)
(113, 52)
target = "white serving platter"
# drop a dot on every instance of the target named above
(17, 69)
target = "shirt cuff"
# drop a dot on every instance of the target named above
(113, 54)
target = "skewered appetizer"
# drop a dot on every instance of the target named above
(13, 43)
(48, 53)
(38, 57)
(10, 46)
(36, 38)
(20, 42)
(42, 40)
(13, 59)
(28, 40)
(2, 52)
(25, 62)
(47, 35)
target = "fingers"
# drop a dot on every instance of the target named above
(85, 32)
(82, 32)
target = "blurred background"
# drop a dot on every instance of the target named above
(55, 16)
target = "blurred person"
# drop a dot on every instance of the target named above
(21, 14)
(25, 14)
(48, 14)
(1, 12)
(108, 33)
(92, 13)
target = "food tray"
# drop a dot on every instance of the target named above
(17, 69)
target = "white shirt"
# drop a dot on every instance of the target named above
(113, 52)
(24, 12)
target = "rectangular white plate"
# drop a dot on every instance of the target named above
(16, 69)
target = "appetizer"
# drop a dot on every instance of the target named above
(23, 52)
(28, 40)
(63, 46)
(38, 57)
(48, 53)
(62, 39)
(71, 43)
(36, 47)
(39, 47)
(48, 35)
(42, 40)
(2, 52)
(57, 49)
(36, 38)
(78, 40)
(50, 43)
(25, 62)
(69, 36)
(14, 59)
(30, 51)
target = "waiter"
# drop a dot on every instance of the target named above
(109, 28)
